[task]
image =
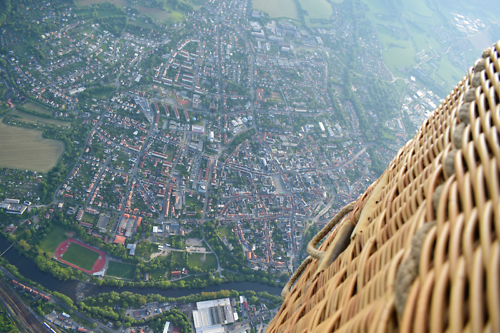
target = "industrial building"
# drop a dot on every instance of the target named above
(211, 315)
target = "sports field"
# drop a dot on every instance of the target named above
(120, 270)
(25, 149)
(54, 237)
(80, 256)
(277, 8)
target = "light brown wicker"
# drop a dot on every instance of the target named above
(420, 250)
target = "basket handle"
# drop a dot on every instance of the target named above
(311, 247)
(294, 277)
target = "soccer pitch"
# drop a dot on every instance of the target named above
(80, 256)
(121, 270)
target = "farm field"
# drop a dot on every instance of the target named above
(203, 260)
(80, 256)
(397, 54)
(31, 118)
(54, 238)
(38, 108)
(25, 149)
(154, 13)
(277, 8)
(120, 270)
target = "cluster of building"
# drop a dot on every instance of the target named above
(13, 206)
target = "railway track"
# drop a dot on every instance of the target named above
(27, 320)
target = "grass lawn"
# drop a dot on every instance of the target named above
(54, 238)
(225, 230)
(177, 260)
(277, 8)
(170, 152)
(90, 218)
(192, 278)
(192, 201)
(204, 261)
(31, 118)
(121, 270)
(157, 275)
(80, 256)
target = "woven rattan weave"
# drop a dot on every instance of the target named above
(419, 250)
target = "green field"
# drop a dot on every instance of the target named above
(316, 9)
(448, 72)
(90, 218)
(203, 260)
(31, 118)
(38, 108)
(154, 13)
(397, 54)
(56, 236)
(401, 48)
(170, 13)
(225, 230)
(25, 149)
(80, 256)
(120, 270)
(277, 8)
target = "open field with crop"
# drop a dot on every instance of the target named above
(54, 238)
(38, 108)
(277, 8)
(120, 270)
(31, 118)
(25, 149)
(80, 256)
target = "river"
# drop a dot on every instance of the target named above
(28, 269)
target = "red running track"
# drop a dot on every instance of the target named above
(98, 265)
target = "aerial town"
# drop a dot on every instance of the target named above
(196, 151)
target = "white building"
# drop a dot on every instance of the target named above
(321, 126)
